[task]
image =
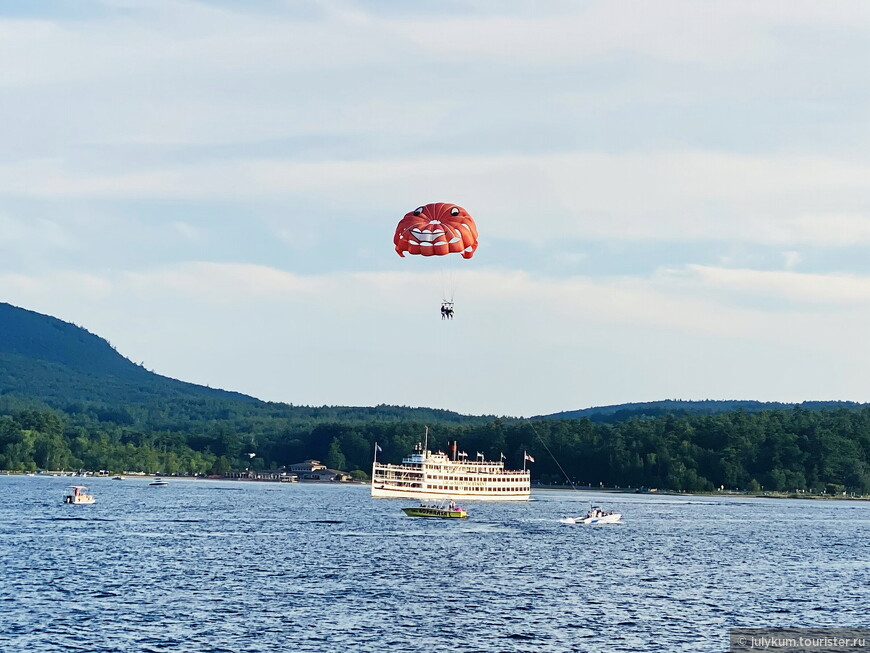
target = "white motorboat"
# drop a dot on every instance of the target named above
(595, 516)
(159, 481)
(78, 496)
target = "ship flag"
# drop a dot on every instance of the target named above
(528, 457)
(479, 456)
(503, 457)
(377, 448)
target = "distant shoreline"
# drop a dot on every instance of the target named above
(674, 493)
(554, 488)
(151, 477)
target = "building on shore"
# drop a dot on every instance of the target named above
(314, 470)
(307, 470)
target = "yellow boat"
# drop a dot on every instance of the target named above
(440, 510)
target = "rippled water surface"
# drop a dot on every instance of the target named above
(222, 566)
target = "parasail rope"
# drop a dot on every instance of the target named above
(555, 460)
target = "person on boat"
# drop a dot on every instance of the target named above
(443, 311)
(449, 312)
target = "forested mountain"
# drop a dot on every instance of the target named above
(622, 412)
(66, 367)
(59, 363)
(69, 401)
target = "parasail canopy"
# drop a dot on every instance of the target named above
(436, 230)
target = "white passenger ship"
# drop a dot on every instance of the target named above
(428, 475)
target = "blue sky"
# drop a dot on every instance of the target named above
(672, 197)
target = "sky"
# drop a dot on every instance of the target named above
(673, 198)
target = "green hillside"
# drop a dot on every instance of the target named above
(623, 412)
(61, 363)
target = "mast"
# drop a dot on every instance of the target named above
(375, 464)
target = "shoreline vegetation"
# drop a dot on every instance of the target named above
(550, 488)
(137, 476)
(717, 493)
(797, 451)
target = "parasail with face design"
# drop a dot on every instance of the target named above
(436, 230)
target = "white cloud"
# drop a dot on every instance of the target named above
(19, 233)
(186, 230)
(190, 73)
(668, 196)
(812, 291)
(791, 259)
(838, 230)
(722, 34)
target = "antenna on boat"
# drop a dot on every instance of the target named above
(426, 440)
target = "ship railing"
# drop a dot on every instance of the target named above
(473, 463)
(499, 472)
(456, 467)
(465, 463)
(403, 468)
(454, 470)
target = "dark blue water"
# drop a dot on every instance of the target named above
(219, 566)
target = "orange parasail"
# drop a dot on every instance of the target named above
(435, 230)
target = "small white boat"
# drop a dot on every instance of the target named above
(595, 516)
(159, 481)
(78, 496)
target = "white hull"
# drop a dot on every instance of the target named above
(606, 519)
(78, 496)
(386, 492)
(78, 501)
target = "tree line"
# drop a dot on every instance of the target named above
(786, 450)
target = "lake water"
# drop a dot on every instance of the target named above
(212, 566)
